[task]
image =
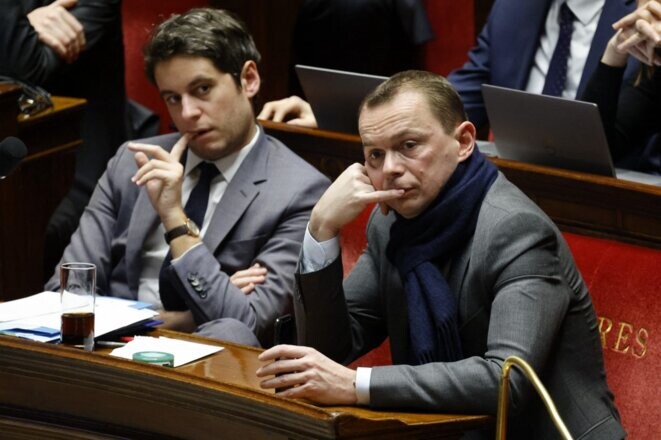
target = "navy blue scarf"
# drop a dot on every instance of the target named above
(418, 247)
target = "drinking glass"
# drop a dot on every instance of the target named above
(77, 293)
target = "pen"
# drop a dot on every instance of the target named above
(110, 343)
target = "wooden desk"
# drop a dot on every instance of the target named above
(577, 202)
(49, 389)
(32, 192)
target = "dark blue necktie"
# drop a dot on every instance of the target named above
(556, 77)
(195, 209)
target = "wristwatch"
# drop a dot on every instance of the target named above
(188, 228)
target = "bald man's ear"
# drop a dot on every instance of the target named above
(250, 80)
(465, 134)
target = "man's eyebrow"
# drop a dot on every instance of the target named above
(194, 82)
(397, 136)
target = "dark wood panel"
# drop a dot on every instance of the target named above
(218, 396)
(32, 192)
(578, 202)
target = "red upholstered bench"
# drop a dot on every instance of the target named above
(625, 284)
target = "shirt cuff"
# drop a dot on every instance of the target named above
(318, 255)
(363, 376)
(174, 260)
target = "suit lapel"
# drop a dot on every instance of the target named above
(239, 194)
(534, 12)
(613, 10)
(143, 220)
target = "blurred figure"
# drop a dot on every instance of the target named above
(631, 108)
(71, 48)
(515, 49)
(378, 37)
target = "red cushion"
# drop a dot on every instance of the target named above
(625, 284)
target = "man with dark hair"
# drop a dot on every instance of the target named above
(206, 222)
(461, 271)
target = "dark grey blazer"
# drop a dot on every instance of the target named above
(519, 293)
(261, 217)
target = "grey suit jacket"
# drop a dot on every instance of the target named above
(519, 293)
(261, 217)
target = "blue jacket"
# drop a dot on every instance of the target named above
(506, 49)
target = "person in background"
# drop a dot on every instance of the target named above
(461, 271)
(377, 37)
(515, 49)
(205, 224)
(631, 108)
(71, 48)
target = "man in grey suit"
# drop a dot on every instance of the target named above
(231, 275)
(461, 271)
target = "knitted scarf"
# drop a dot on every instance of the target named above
(418, 247)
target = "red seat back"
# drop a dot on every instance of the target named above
(625, 285)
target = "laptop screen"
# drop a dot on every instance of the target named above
(335, 95)
(547, 130)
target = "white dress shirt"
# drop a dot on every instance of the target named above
(155, 248)
(587, 14)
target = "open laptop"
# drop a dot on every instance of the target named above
(335, 95)
(552, 131)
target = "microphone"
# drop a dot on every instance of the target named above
(12, 152)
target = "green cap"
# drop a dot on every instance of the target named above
(155, 358)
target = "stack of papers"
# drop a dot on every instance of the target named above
(37, 317)
(183, 351)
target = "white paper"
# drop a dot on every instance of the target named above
(43, 310)
(40, 304)
(183, 351)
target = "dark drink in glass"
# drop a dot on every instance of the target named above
(77, 294)
(78, 329)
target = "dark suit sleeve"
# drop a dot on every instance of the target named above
(23, 56)
(468, 79)
(95, 240)
(630, 113)
(520, 272)
(343, 320)
(277, 251)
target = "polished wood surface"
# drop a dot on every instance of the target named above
(65, 390)
(577, 202)
(30, 194)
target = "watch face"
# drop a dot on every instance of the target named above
(192, 228)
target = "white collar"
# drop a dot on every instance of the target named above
(585, 10)
(227, 165)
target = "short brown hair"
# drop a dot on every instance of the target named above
(209, 33)
(443, 100)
